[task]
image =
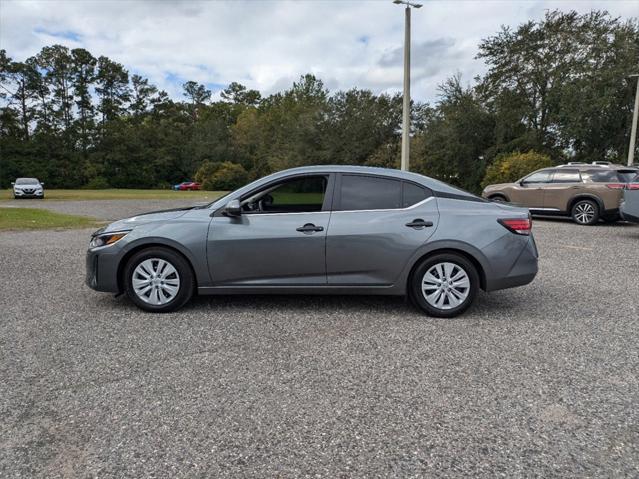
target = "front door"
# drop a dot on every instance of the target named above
(376, 226)
(279, 239)
(530, 191)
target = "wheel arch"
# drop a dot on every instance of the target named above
(146, 245)
(585, 196)
(481, 271)
(500, 195)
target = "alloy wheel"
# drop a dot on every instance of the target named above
(584, 213)
(155, 281)
(445, 285)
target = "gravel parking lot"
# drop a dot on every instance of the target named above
(535, 381)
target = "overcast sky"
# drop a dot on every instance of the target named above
(267, 44)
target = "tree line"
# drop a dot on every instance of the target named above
(557, 86)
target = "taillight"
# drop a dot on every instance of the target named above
(616, 186)
(632, 186)
(519, 226)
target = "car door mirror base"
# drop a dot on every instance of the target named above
(232, 209)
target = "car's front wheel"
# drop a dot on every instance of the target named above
(585, 212)
(158, 280)
(444, 285)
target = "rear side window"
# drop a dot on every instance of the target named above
(601, 176)
(566, 176)
(413, 194)
(369, 193)
(627, 175)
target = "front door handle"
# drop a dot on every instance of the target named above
(310, 228)
(419, 223)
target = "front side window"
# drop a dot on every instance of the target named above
(298, 195)
(369, 193)
(539, 177)
(566, 176)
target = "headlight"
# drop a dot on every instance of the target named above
(106, 239)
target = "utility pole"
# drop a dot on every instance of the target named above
(406, 105)
(633, 130)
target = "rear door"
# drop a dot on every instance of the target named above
(529, 191)
(564, 184)
(376, 225)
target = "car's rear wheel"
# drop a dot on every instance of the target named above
(585, 212)
(158, 280)
(444, 285)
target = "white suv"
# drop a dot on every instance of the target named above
(28, 188)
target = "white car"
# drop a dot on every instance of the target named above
(28, 188)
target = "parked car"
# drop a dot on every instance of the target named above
(188, 186)
(321, 230)
(28, 188)
(586, 192)
(630, 205)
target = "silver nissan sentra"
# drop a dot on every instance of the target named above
(321, 230)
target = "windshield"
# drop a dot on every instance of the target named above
(27, 181)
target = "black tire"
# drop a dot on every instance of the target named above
(186, 279)
(585, 212)
(416, 281)
(498, 199)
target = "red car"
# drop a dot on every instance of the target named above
(188, 186)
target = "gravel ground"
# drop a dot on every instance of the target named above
(110, 210)
(535, 381)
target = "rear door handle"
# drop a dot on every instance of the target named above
(419, 224)
(310, 228)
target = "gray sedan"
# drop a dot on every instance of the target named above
(321, 230)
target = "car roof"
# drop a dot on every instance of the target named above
(589, 166)
(372, 170)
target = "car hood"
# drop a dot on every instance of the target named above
(146, 218)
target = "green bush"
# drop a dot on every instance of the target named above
(97, 183)
(510, 167)
(221, 176)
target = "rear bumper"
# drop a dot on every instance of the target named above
(522, 272)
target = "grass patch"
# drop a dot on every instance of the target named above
(34, 219)
(123, 194)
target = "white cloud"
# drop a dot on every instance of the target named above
(268, 44)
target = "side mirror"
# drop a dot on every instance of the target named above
(12, 183)
(42, 183)
(232, 208)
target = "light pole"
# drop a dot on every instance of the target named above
(406, 110)
(633, 130)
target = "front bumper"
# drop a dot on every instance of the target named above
(28, 194)
(625, 215)
(102, 269)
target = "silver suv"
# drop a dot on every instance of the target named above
(28, 188)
